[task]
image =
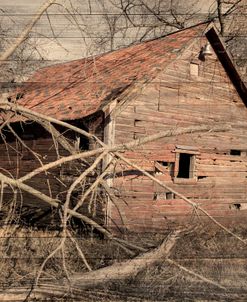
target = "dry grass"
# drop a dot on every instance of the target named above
(207, 251)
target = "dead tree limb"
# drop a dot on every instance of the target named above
(8, 106)
(26, 31)
(32, 115)
(57, 203)
(59, 137)
(52, 202)
(126, 269)
(187, 200)
(194, 274)
(123, 147)
(76, 182)
(116, 272)
(118, 148)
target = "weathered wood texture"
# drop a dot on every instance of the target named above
(180, 97)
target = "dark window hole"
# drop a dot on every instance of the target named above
(185, 165)
(170, 195)
(163, 163)
(19, 96)
(235, 152)
(236, 206)
(164, 196)
(136, 121)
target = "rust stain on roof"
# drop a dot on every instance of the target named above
(76, 89)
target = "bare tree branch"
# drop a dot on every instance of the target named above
(26, 31)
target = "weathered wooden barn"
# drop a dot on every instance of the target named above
(183, 79)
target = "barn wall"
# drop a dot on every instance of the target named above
(188, 92)
(16, 160)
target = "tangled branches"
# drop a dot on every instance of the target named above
(86, 189)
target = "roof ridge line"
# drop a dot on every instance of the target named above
(127, 46)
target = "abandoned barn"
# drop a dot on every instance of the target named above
(183, 79)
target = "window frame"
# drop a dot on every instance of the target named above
(193, 176)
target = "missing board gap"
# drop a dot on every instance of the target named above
(163, 196)
(235, 152)
(136, 122)
(163, 163)
(235, 206)
(170, 195)
(163, 167)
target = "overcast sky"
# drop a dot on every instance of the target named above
(71, 45)
(31, 5)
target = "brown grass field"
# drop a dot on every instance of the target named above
(207, 251)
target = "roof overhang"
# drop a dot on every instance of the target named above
(227, 62)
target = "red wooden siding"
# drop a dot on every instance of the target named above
(177, 98)
(17, 161)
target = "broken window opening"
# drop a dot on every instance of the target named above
(162, 167)
(186, 165)
(163, 163)
(235, 206)
(163, 196)
(170, 195)
(235, 152)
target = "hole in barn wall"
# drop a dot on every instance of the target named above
(79, 141)
(172, 169)
(163, 196)
(161, 167)
(136, 122)
(235, 206)
(170, 195)
(185, 169)
(19, 96)
(161, 170)
(201, 177)
(163, 163)
(235, 152)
